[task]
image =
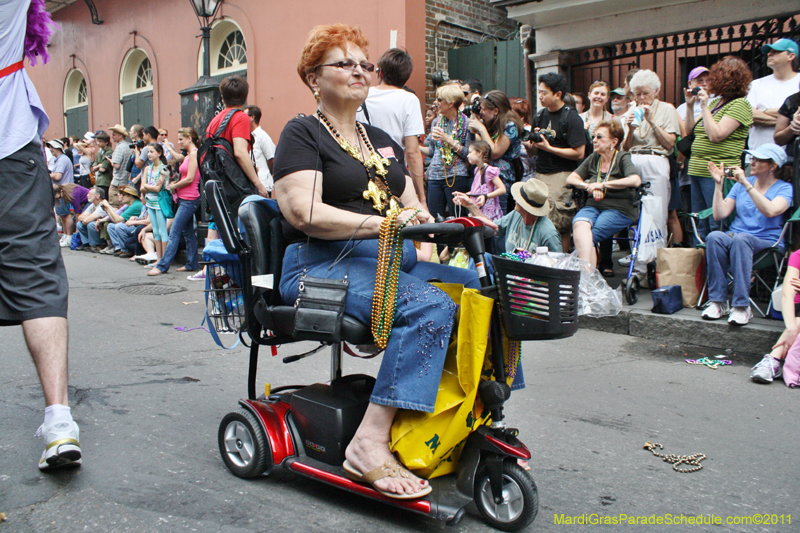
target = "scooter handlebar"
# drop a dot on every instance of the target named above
(450, 233)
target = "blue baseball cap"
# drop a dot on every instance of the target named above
(781, 45)
(769, 151)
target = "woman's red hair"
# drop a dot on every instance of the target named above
(322, 39)
(730, 78)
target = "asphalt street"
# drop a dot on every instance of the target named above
(149, 399)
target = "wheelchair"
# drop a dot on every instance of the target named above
(631, 284)
(306, 429)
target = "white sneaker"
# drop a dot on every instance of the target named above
(65, 241)
(766, 370)
(615, 247)
(625, 261)
(62, 444)
(740, 316)
(108, 250)
(715, 310)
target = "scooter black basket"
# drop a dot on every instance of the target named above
(538, 303)
(225, 296)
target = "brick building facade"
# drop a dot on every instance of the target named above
(456, 23)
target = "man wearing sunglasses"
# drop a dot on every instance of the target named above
(397, 111)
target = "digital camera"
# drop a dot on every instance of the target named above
(473, 109)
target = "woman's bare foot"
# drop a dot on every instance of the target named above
(369, 449)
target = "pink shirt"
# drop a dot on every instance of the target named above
(794, 261)
(191, 191)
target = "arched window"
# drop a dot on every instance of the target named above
(228, 50)
(136, 89)
(144, 75)
(233, 53)
(76, 109)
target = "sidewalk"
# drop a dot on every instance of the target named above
(685, 326)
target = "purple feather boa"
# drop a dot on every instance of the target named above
(37, 35)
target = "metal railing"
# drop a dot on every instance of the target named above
(673, 56)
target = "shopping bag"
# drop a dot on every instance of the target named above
(430, 444)
(652, 231)
(684, 267)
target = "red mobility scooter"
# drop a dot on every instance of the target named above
(306, 429)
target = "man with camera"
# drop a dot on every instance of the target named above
(559, 141)
(149, 135)
(119, 158)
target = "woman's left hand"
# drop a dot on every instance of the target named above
(476, 126)
(480, 200)
(648, 115)
(739, 176)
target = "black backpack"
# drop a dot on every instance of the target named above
(217, 162)
(562, 125)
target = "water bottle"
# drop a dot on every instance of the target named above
(542, 258)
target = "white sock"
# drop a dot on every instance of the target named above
(56, 411)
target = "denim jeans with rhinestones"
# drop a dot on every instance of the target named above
(412, 362)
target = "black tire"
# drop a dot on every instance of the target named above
(243, 445)
(521, 498)
(632, 290)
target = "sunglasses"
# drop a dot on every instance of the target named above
(350, 65)
(598, 136)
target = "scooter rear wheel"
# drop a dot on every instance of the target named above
(520, 498)
(243, 445)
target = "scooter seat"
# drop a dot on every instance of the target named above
(280, 320)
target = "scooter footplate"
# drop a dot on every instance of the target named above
(443, 502)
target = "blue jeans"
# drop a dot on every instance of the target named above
(412, 363)
(182, 225)
(440, 196)
(605, 224)
(734, 252)
(703, 198)
(123, 237)
(89, 233)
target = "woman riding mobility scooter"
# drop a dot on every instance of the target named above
(307, 429)
(346, 204)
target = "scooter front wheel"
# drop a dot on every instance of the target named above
(243, 445)
(520, 498)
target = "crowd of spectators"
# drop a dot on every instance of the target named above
(110, 190)
(471, 147)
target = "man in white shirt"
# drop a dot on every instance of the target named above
(767, 94)
(397, 111)
(263, 147)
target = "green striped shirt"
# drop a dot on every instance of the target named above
(728, 151)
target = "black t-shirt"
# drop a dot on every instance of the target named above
(549, 163)
(305, 144)
(788, 109)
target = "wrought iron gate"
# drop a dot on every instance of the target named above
(673, 56)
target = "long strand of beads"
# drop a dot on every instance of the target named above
(390, 256)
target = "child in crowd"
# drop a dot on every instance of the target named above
(487, 187)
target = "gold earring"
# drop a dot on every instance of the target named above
(316, 95)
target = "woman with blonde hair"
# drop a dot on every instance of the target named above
(448, 151)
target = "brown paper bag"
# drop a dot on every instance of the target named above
(685, 267)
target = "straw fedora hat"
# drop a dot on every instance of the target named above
(532, 196)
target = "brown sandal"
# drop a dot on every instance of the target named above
(391, 468)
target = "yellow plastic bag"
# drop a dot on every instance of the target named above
(430, 444)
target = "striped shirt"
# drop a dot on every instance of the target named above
(728, 151)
